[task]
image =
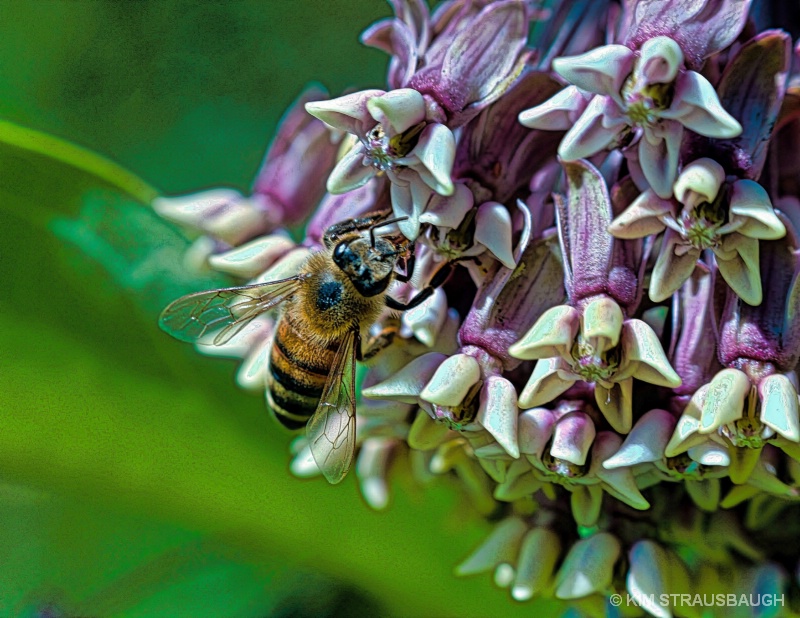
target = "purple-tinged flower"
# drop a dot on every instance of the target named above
(396, 136)
(729, 218)
(467, 391)
(458, 229)
(561, 447)
(590, 340)
(693, 352)
(644, 95)
(754, 399)
(752, 88)
(474, 58)
(699, 470)
(701, 29)
(404, 37)
(287, 188)
(595, 345)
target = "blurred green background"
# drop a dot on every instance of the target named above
(135, 478)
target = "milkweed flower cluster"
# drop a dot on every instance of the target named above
(611, 372)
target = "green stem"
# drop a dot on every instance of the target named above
(78, 157)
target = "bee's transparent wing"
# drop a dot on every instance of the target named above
(331, 432)
(229, 309)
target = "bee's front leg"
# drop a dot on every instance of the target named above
(438, 279)
(378, 341)
(336, 231)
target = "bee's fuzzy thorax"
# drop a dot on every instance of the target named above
(329, 305)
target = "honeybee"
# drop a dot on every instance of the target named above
(327, 308)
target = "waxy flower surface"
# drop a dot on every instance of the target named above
(393, 137)
(581, 223)
(706, 213)
(646, 96)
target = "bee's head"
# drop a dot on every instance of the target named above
(368, 261)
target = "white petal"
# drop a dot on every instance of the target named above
(448, 211)
(659, 152)
(601, 70)
(594, 131)
(779, 406)
(589, 566)
(348, 113)
(646, 441)
(538, 556)
(545, 384)
(436, 151)
(406, 385)
(697, 107)
(552, 335)
(398, 110)
(660, 58)
(558, 113)
(350, 172)
(751, 201)
(724, 401)
(498, 412)
(699, 182)
(254, 257)
(452, 381)
(493, 231)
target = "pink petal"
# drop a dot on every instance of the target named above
(348, 113)
(594, 131)
(696, 106)
(558, 113)
(659, 150)
(643, 217)
(535, 430)
(350, 172)
(602, 70)
(573, 436)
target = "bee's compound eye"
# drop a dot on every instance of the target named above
(343, 256)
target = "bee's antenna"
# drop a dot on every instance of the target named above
(381, 224)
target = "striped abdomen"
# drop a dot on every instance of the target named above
(297, 373)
